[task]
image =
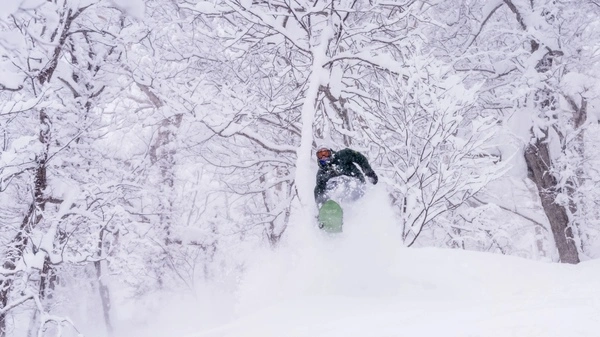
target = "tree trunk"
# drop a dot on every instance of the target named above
(15, 249)
(102, 287)
(537, 157)
(104, 297)
(537, 154)
(578, 201)
(163, 153)
(13, 254)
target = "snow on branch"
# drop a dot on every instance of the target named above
(232, 129)
(533, 23)
(382, 61)
(252, 15)
(491, 7)
(45, 317)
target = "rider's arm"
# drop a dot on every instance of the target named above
(320, 188)
(362, 161)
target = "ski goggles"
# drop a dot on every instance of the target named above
(323, 154)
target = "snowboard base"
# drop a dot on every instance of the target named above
(330, 217)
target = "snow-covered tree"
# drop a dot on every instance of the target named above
(529, 78)
(61, 194)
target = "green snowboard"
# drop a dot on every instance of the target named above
(330, 217)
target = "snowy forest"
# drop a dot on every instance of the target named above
(150, 146)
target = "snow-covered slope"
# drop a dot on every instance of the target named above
(430, 292)
(365, 284)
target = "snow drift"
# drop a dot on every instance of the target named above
(364, 283)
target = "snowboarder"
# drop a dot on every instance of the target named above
(343, 164)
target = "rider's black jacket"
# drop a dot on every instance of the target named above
(343, 162)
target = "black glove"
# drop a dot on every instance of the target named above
(373, 178)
